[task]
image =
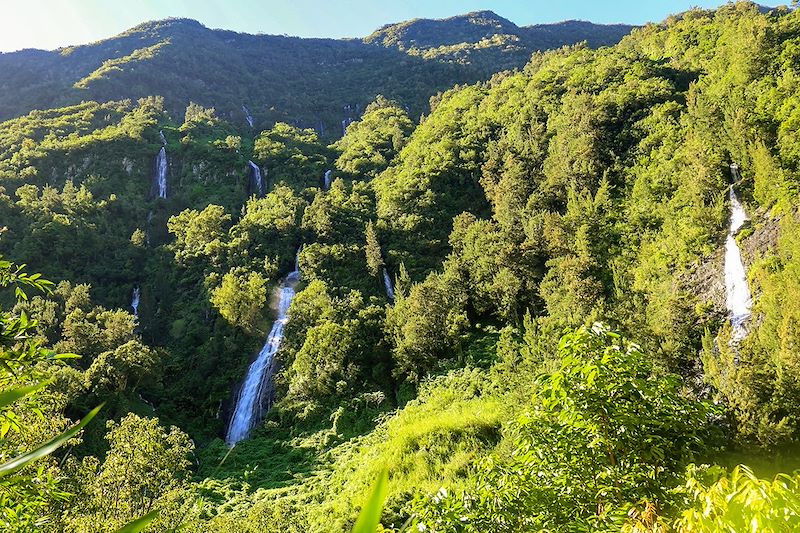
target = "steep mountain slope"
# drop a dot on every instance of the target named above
(440, 264)
(318, 83)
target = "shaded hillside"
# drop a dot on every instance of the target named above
(318, 83)
(489, 42)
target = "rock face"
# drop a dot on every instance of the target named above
(706, 278)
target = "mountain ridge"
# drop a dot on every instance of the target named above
(315, 83)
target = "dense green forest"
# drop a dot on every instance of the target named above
(511, 313)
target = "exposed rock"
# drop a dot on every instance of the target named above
(127, 165)
(706, 278)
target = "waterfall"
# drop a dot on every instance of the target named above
(248, 404)
(326, 180)
(247, 116)
(137, 294)
(161, 172)
(163, 139)
(387, 282)
(738, 298)
(259, 181)
(346, 122)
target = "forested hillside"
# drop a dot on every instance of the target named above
(321, 84)
(565, 299)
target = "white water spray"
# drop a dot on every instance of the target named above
(739, 301)
(387, 282)
(163, 139)
(248, 117)
(248, 405)
(259, 181)
(326, 180)
(161, 172)
(137, 294)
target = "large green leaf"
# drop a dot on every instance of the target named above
(47, 448)
(12, 395)
(370, 515)
(139, 524)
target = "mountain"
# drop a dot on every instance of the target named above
(317, 83)
(566, 299)
(488, 41)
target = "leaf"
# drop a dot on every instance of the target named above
(139, 524)
(62, 356)
(370, 515)
(47, 448)
(12, 395)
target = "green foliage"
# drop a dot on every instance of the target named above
(291, 155)
(240, 299)
(603, 432)
(740, 501)
(144, 468)
(370, 144)
(370, 515)
(759, 377)
(373, 251)
(428, 325)
(588, 185)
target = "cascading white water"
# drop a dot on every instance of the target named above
(248, 117)
(137, 294)
(163, 139)
(387, 282)
(161, 172)
(248, 404)
(258, 179)
(326, 180)
(739, 301)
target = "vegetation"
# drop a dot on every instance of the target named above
(556, 354)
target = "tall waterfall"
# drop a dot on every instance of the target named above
(137, 294)
(161, 172)
(248, 405)
(738, 298)
(326, 180)
(257, 178)
(248, 117)
(387, 282)
(163, 139)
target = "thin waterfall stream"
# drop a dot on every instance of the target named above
(387, 283)
(247, 116)
(248, 405)
(258, 180)
(161, 172)
(739, 300)
(137, 295)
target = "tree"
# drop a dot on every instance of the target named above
(199, 235)
(145, 469)
(373, 251)
(427, 326)
(240, 299)
(370, 144)
(122, 369)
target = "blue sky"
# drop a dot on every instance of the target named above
(49, 24)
